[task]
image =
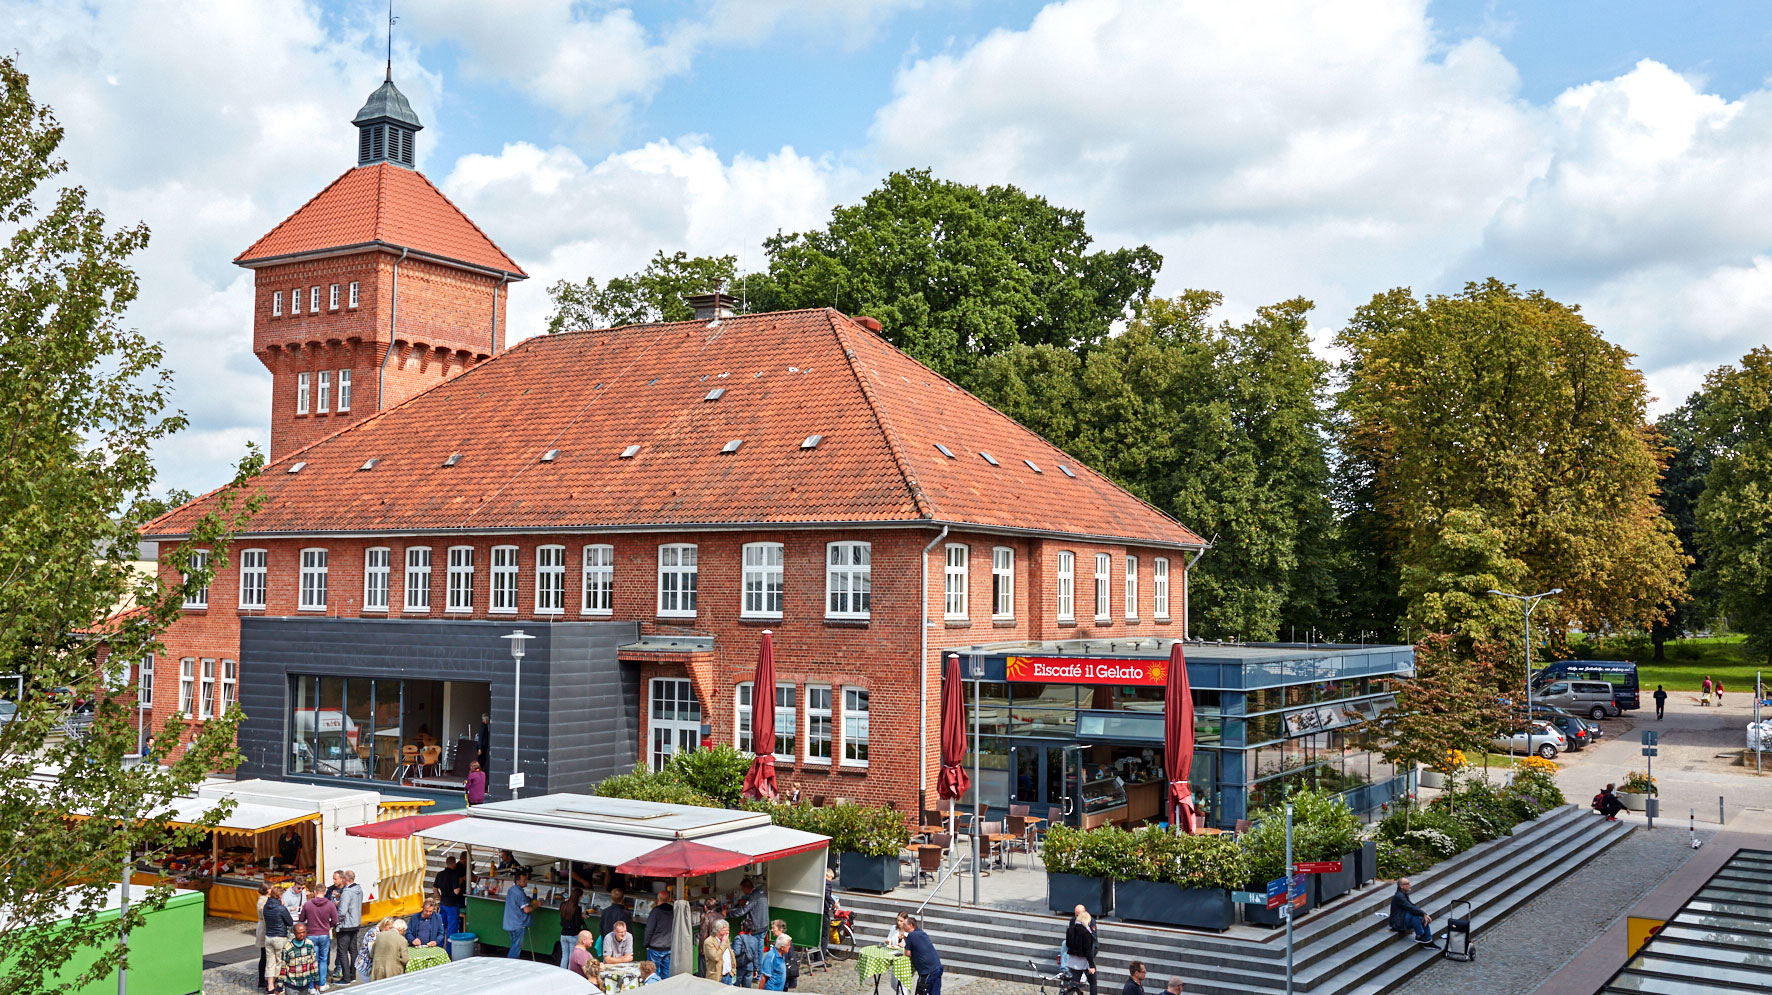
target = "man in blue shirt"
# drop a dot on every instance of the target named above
(518, 908)
(924, 960)
(775, 965)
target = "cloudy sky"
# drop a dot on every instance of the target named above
(1616, 154)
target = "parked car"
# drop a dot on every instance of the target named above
(1592, 698)
(1545, 741)
(1576, 732)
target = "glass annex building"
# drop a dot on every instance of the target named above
(1078, 724)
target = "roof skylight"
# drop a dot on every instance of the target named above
(296, 467)
(548, 457)
(453, 459)
(369, 464)
(1032, 467)
(944, 450)
(812, 442)
(1066, 470)
(988, 458)
(629, 452)
(715, 394)
(732, 447)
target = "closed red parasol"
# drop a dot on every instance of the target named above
(403, 827)
(953, 781)
(683, 859)
(1178, 740)
(759, 781)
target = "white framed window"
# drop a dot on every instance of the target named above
(550, 580)
(332, 303)
(1066, 589)
(784, 721)
(313, 300)
(200, 597)
(855, 727)
(323, 393)
(676, 580)
(461, 579)
(252, 578)
(295, 301)
(599, 580)
(206, 691)
(187, 684)
(1002, 582)
(353, 297)
(301, 393)
(1131, 588)
(313, 580)
(1160, 587)
(761, 580)
(344, 390)
(144, 679)
(418, 578)
(1103, 564)
(230, 685)
(818, 723)
(848, 580)
(954, 582)
(504, 579)
(377, 566)
(276, 303)
(674, 721)
(741, 716)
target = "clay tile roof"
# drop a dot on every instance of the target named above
(387, 205)
(590, 395)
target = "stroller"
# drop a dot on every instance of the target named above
(1458, 934)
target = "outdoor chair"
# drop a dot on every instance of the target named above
(993, 849)
(1021, 810)
(929, 860)
(431, 761)
(1019, 827)
(408, 762)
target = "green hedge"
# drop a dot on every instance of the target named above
(1147, 854)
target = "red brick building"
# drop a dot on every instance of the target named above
(644, 501)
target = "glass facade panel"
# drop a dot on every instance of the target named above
(356, 727)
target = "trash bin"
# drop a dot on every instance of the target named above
(461, 945)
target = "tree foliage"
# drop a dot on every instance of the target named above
(1688, 464)
(1454, 702)
(1734, 512)
(1512, 405)
(656, 293)
(83, 400)
(1220, 425)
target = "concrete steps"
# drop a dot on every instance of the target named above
(1341, 949)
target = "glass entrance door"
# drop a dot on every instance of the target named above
(674, 720)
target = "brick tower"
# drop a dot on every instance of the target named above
(374, 290)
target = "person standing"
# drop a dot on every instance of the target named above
(288, 848)
(617, 911)
(451, 895)
(474, 788)
(924, 960)
(320, 916)
(278, 926)
(572, 923)
(1719, 694)
(753, 916)
(775, 965)
(485, 741)
(295, 896)
(716, 954)
(1704, 692)
(389, 957)
(778, 931)
(1660, 701)
(519, 908)
(659, 924)
(301, 963)
(1080, 946)
(1134, 980)
(1406, 915)
(264, 894)
(350, 923)
(1174, 985)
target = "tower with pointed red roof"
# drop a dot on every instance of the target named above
(374, 290)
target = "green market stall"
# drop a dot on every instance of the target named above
(586, 840)
(165, 952)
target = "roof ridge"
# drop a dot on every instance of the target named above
(515, 269)
(894, 445)
(245, 253)
(633, 326)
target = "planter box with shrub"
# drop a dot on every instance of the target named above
(859, 872)
(1326, 888)
(1174, 905)
(1064, 892)
(1260, 915)
(1366, 863)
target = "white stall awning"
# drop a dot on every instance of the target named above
(557, 842)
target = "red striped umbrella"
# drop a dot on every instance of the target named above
(759, 781)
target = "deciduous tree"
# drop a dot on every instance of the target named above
(1734, 513)
(655, 293)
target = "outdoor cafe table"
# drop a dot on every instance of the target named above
(871, 962)
(619, 977)
(420, 958)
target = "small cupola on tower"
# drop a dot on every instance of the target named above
(385, 128)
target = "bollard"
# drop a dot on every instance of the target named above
(1720, 819)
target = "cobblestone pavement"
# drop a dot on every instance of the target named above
(1516, 957)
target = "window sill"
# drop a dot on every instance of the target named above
(458, 611)
(415, 611)
(598, 613)
(1002, 623)
(195, 608)
(375, 611)
(1103, 621)
(1066, 623)
(675, 616)
(550, 612)
(846, 623)
(1134, 620)
(1163, 620)
(501, 611)
(760, 617)
(243, 609)
(816, 762)
(321, 610)
(957, 623)
(858, 765)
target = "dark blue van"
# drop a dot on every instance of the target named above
(1621, 674)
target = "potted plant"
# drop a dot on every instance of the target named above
(1636, 789)
(1325, 829)
(1181, 880)
(868, 841)
(1081, 867)
(1436, 774)
(1264, 854)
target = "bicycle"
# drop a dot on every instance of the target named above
(1067, 981)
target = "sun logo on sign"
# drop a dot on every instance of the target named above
(1159, 671)
(1017, 666)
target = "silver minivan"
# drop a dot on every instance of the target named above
(1593, 698)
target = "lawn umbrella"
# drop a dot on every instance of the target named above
(953, 780)
(1178, 739)
(759, 781)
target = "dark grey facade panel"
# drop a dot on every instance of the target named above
(580, 705)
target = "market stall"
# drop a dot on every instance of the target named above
(596, 843)
(165, 951)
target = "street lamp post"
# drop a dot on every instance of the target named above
(1527, 603)
(517, 637)
(976, 665)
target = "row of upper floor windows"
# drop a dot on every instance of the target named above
(848, 581)
(313, 295)
(319, 384)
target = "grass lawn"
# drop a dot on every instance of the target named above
(1688, 663)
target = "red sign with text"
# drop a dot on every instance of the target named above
(1084, 670)
(1319, 867)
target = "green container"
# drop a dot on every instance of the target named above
(165, 953)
